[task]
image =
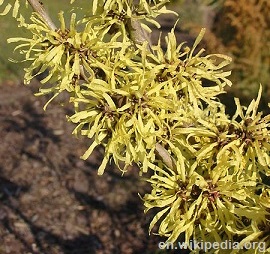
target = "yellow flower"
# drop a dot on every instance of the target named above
(199, 208)
(15, 6)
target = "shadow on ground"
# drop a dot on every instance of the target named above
(51, 201)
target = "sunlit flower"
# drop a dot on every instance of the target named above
(67, 55)
(198, 207)
(151, 107)
(184, 71)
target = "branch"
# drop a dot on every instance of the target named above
(137, 34)
(38, 7)
(165, 156)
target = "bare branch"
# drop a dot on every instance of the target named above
(165, 156)
(38, 7)
(137, 34)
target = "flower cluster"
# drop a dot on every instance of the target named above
(133, 110)
(126, 97)
(67, 55)
(217, 188)
(151, 107)
(200, 206)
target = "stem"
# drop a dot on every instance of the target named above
(137, 34)
(165, 156)
(38, 7)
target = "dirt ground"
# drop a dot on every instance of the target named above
(53, 202)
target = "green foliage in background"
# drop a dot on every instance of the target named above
(9, 28)
(150, 107)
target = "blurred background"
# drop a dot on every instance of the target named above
(53, 202)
